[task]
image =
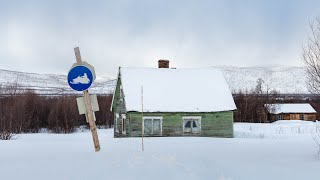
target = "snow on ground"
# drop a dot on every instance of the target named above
(278, 129)
(291, 155)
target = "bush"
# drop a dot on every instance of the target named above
(29, 112)
(6, 135)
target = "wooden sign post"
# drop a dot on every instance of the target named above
(90, 114)
(142, 120)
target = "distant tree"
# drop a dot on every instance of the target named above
(311, 57)
(258, 89)
(254, 105)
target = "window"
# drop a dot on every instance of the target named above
(192, 124)
(124, 124)
(301, 116)
(117, 122)
(152, 125)
(279, 117)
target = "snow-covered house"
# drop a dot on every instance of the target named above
(292, 111)
(176, 102)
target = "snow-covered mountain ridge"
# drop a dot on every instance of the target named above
(50, 83)
(284, 79)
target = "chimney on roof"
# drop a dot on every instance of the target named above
(163, 63)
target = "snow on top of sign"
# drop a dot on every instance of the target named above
(294, 108)
(176, 90)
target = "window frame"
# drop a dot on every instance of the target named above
(153, 118)
(186, 118)
(279, 117)
(302, 117)
(117, 116)
(123, 123)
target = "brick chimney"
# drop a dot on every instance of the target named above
(163, 63)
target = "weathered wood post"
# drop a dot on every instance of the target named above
(142, 120)
(90, 114)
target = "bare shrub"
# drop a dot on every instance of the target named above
(104, 116)
(24, 111)
(64, 116)
(254, 105)
(6, 135)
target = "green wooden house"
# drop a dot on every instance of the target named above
(176, 102)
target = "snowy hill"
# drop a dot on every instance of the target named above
(285, 79)
(50, 83)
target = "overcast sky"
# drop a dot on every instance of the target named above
(39, 36)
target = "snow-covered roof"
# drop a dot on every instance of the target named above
(176, 90)
(293, 108)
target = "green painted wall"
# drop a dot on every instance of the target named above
(213, 124)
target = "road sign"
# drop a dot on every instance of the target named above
(80, 78)
(82, 107)
(83, 63)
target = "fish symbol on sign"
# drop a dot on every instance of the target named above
(81, 80)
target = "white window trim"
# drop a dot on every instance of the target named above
(116, 123)
(123, 119)
(184, 118)
(154, 117)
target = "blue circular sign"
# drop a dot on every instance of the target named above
(80, 78)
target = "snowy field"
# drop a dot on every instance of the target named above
(258, 151)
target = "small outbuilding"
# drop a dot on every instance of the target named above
(176, 102)
(294, 111)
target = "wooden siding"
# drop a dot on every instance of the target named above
(213, 124)
(295, 116)
(118, 102)
(310, 117)
(119, 108)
